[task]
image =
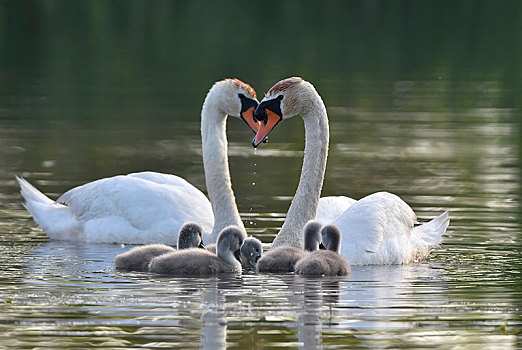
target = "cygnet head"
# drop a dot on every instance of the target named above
(331, 237)
(229, 243)
(312, 236)
(251, 251)
(287, 98)
(190, 236)
(235, 98)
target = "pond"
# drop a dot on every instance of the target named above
(430, 117)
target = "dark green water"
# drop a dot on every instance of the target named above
(424, 100)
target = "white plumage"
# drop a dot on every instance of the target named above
(377, 229)
(150, 207)
(331, 207)
(136, 208)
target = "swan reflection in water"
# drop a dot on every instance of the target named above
(263, 309)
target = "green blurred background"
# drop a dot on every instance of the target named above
(424, 100)
(87, 86)
(117, 49)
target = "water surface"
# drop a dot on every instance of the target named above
(423, 102)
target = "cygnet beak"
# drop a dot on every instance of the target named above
(237, 255)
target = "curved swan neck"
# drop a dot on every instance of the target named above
(331, 237)
(215, 163)
(335, 245)
(306, 199)
(224, 252)
(312, 236)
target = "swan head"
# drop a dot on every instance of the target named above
(190, 236)
(237, 99)
(287, 98)
(229, 244)
(331, 237)
(251, 251)
(312, 236)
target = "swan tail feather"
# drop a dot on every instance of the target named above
(55, 219)
(31, 194)
(431, 232)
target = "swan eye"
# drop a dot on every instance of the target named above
(280, 97)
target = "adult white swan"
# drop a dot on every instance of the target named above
(377, 229)
(150, 207)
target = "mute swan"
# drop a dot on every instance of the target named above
(379, 227)
(150, 207)
(202, 262)
(138, 258)
(190, 236)
(251, 252)
(284, 258)
(325, 262)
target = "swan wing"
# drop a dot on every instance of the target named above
(429, 235)
(376, 230)
(161, 179)
(330, 208)
(151, 205)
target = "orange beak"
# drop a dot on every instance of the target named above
(265, 128)
(248, 117)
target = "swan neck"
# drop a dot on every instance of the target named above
(306, 199)
(335, 244)
(311, 244)
(224, 252)
(215, 163)
(337, 247)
